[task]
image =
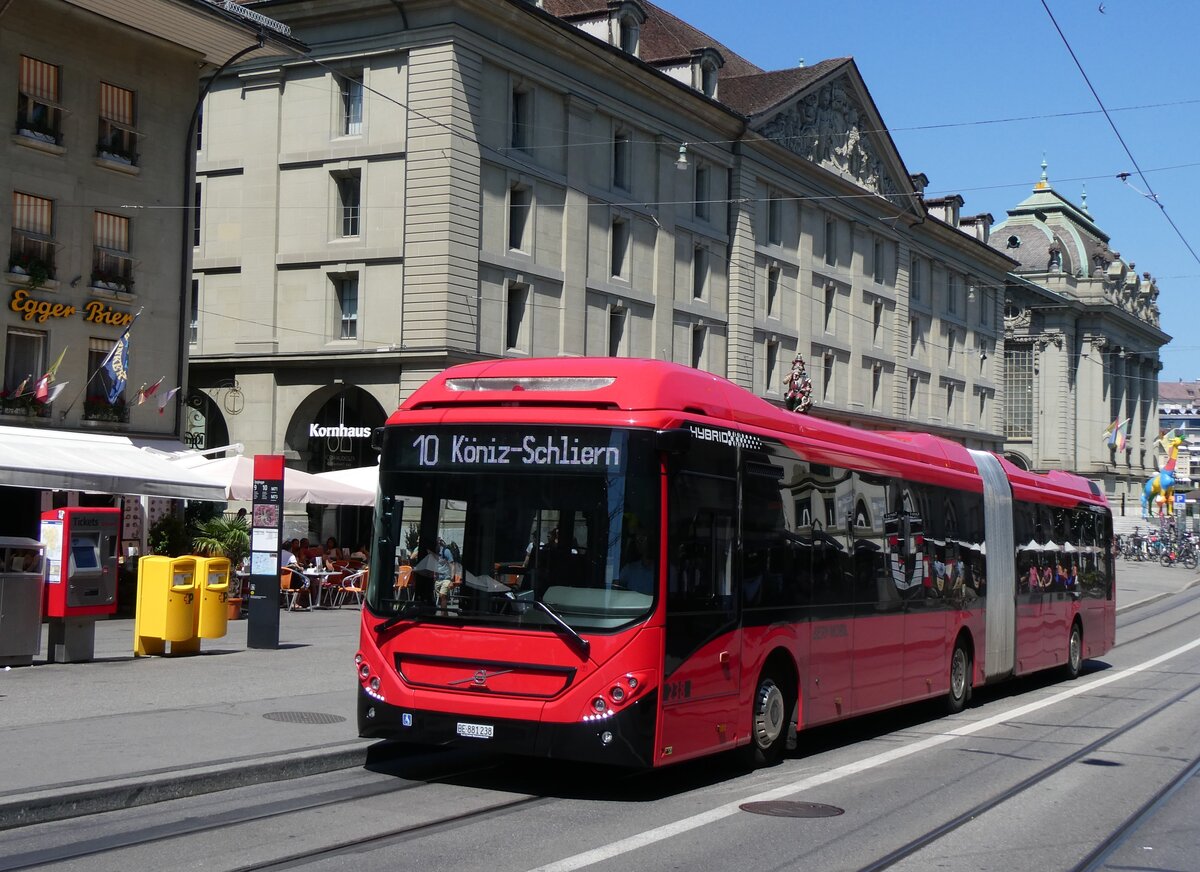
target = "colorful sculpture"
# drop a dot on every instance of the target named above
(1160, 487)
(798, 394)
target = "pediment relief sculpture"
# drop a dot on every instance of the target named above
(826, 127)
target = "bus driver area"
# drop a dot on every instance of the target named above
(656, 565)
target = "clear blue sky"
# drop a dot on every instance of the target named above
(967, 63)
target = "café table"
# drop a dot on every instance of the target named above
(316, 583)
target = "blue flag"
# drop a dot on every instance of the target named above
(117, 367)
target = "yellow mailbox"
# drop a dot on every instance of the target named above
(166, 606)
(212, 618)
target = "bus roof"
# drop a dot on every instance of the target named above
(632, 385)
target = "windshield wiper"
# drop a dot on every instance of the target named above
(583, 644)
(407, 610)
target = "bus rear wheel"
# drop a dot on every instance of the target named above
(769, 722)
(1074, 664)
(960, 679)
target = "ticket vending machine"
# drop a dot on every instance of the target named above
(82, 547)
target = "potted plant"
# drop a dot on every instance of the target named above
(26, 264)
(221, 536)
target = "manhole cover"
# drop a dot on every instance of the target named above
(781, 808)
(304, 717)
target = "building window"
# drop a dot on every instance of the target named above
(830, 240)
(954, 288)
(773, 292)
(346, 288)
(914, 336)
(514, 326)
(775, 220)
(349, 191)
(617, 317)
(112, 267)
(520, 204)
(196, 218)
(194, 314)
(830, 308)
(621, 150)
(876, 386)
(352, 104)
(620, 248)
(772, 368)
(951, 342)
(877, 323)
(708, 78)
(878, 266)
(32, 249)
(200, 124)
(699, 334)
(985, 306)
(96, 406)
(913, 392)
(983, 410)
(522, 118)
(24, 363)
(827, 377)
(949, 403)
(1018, 393)
(699, 271)
(627, 34)
(917, 279)
(702, 193)
(39, 116)
(118, 137)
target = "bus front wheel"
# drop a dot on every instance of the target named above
(960, 679)
(769, 723)
(1074, 664)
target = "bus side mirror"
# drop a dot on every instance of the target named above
(377, 440)
(675, 441)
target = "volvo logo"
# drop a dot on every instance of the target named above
(480, 678)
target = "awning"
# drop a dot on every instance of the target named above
(236, 475)
(99, 463)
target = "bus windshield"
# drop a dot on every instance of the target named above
(547, 528)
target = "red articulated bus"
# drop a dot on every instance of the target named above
(638, 563)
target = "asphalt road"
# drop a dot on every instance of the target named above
(1037, 774)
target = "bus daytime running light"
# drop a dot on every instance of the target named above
(358, 659)
(633, 682)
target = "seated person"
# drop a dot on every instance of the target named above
(332, 551)
(639, 575)
(287, 558)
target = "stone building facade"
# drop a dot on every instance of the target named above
(450, 181)
(97, 99)
(1082, 341)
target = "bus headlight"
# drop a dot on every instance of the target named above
(617, 694)
(364, 671)
(599, 705)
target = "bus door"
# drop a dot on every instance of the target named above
(702, 661)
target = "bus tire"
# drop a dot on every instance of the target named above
(1074, 664)
(960, 679)
(772, 707)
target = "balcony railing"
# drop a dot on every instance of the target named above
(38, 119)
(117, 143)
(97, 408)
(31, 255)
(112, 270)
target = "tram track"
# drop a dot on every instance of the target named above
(1101, 852)
(174, 829)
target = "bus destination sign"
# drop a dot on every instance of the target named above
(499, 449)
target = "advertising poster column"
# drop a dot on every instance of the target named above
(262, 626)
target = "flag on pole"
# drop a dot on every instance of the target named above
(1122, 435)
(166, 398)
(55, 391)
(1114, 433)
(41, 390)
(21, 387)
(116, 366)
(145, 393)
